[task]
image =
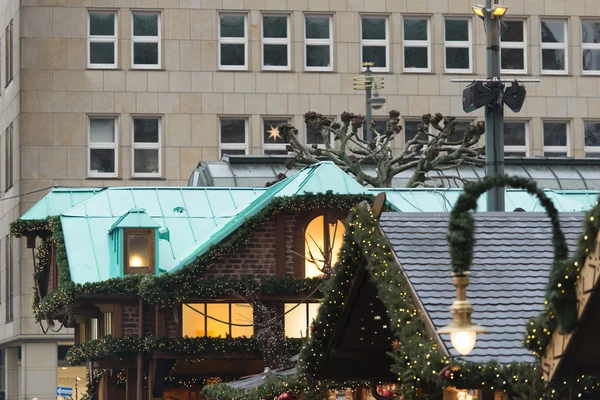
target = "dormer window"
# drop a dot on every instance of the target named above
(139, 251)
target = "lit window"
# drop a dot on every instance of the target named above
(592, 138)
(417, 45)
(554, 46)
(273, 143)
(146, 160)
(513, 47)
(276, 42)
(323, 239)
(233, 136)
(590, 45)
(102, 39)
(218, 319)
(298, 318)
(107, 324)
(515, 139)
(139, 251)
(103, 149)
(93, 329)
(458, 46)
(556, 139)
(375, 43)
(318, 43)
(233, 42)
(145, 38)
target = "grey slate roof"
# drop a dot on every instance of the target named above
(512, 259)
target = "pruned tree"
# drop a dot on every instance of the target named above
(436, 149)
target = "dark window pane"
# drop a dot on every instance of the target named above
(459, 132)
(553, 31)
(145, 161)
(592, 155)
(270, 132)
(555, 134)
(102, 24)
(380, 126)
(145, 130)
(274, 27)
(233, 54)
(276, 152)
(233, 26)
(145, 24)
(233, 152)
(145, 53)
(318, 56)
(415, 57)
(317, 27)
(411, 128)
(233, 131)
(457, 30)
(590, 31)
(376, 55)
(102, 160)
(553, 60)
(515, 154)
(591, 60)
(512, 58)
(313, 135)
(554, 154)
(415, 29)
(592, 133)
(512, 31)
(514, 134)
(102, 53)
(457, 58)
(373, 29)
(275, 55)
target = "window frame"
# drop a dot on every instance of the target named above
(516, 45)
(147, 146)
(9, 181)
(103, 146)
(147, 39)
(519, 149)
(8, 41)
(588, 46)
(234, 146)
(557, 149)
(103, 39)
(150, 269)
(275, 41)
(204, 312)
(307, 315)
(232, 40)
(555, 46)
(272, 146)
(9, 279)
(376, 43)
(319, 42)
(417, 43)
(459, 45)
(595, 150)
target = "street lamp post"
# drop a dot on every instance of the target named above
(370, 84)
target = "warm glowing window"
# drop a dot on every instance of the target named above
(218, 319)
(323, 239)
(93, 329)
(298, 318)
(139, 251)
(81, 332)
(107, 324)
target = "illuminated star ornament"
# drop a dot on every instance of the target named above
(274, 133)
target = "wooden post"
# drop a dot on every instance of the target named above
(140, 361)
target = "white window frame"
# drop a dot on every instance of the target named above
(459, 45)
(558, 149)
(555, 46)
(147, 146)
(417, 43)
(278, 41)
(102, 39)
(589, 46)
(234, 146)
(590, 149)
(516, 45)
(319, 42)
(376, 43)
(103, 146)
(519, 149)
(233, 40)
(272, 146)
(147, 39)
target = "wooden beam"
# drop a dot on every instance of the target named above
(118, 320)
(160, 321)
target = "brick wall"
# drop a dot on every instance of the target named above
(130, 320)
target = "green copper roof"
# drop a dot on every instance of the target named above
(57, 201)
(135, 218)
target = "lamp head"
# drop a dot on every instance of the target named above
(499, 10)
(479, 10)
(376, 102)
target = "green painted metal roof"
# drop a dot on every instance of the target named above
(59, 200)
(135, 218)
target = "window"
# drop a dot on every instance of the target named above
(103, 149)
(81, 333)
(459, 131)
(139, 251)
(9, 278)
(2, 374)
(298, 318)
(8, 40)
(318, 43)
(381, 125)
(9, 156)
(107, 324)
(94, 328)
(592, 138)
(233, 42)
(554, 46)
(515, 139)
(102, 39)
(556, 139)
(513, 47)
(590, 44)
(273, 143)
(147, 157)
(374, 43)
(417, 46)
(411, 129)
(218, 319)
(323, 239)
(145, 40)
(276, 42)
(458, 46)
(233, 136)
(315, 137)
